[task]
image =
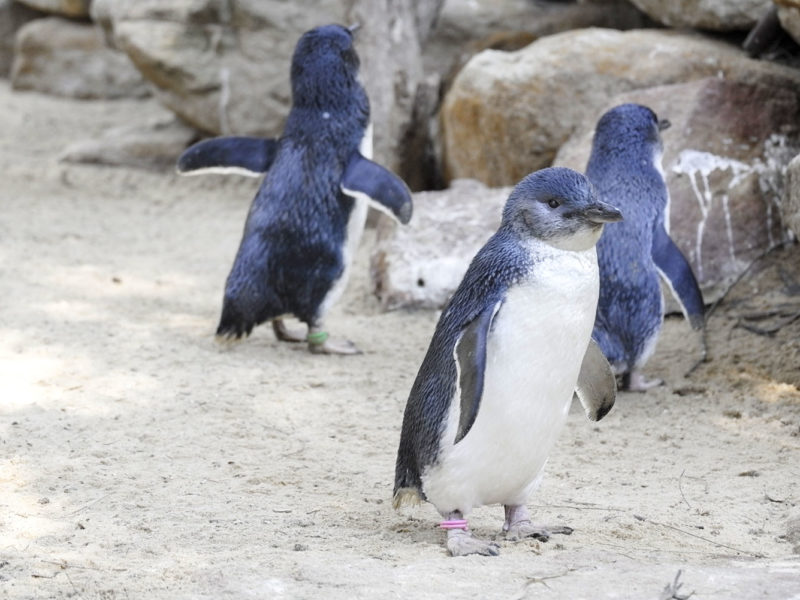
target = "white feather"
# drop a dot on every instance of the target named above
(222, 171)
(534, 355)
(355, 228)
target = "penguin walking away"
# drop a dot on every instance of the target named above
(307, 217)
(510, 348)
(625, 168)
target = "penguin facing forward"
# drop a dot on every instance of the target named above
(307, 217)
(625, 168)
(509, 350)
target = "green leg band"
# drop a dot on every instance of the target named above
(317, 338)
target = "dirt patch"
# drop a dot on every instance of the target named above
(141, 460)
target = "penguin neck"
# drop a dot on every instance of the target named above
(580, 241)
(338, 116)
(627, 152)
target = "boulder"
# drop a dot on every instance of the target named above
(153, 144)
(419, 266)
(68, 8)
(731, 15)
(223, 66)
(466, 27)
(509, 112)
(791, 197)
(724, 159)
(65, 58)
(12, 17)
(789, 16)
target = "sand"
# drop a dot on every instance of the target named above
(142, 460)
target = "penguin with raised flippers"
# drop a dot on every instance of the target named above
(308, 215)
(509, 351)
(625, 168)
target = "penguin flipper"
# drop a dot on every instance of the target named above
(251, 156)
(676, 271)
(597, 386)
(470, 353)
(383, 189)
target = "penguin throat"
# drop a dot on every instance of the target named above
(578, 241)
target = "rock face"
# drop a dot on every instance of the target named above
(402, 99)
(420, 266)
(12, 17)
(791, 196)
(223, 66)
(724, 159)
(789, 16)
(145, 145)
(65, 58)
(466, 27)
(731, 15)
(67, 8)
(509, 112)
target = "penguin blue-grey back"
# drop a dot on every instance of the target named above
(308, 215)
(625, 168)
(492, 365)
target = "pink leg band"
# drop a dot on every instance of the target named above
(454, 524)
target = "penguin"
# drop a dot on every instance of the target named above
(307, 217)
(509, 350)
(625, 168)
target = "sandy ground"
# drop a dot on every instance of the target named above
(142, 460)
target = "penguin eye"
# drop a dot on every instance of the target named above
(553, 203)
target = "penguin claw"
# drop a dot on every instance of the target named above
(285, 334)
(461, 543)
(542, 533)
(636, 382)
(334, 346)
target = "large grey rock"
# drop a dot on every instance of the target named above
(730, 15)
(420, 266)
(724, 159)
(509, 112)
(223, 66)
(466, 27)
(66, 8)
(791, 197)
(789, 16)
(153, 144)
(12, 17)
(65, 58)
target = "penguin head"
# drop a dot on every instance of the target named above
(629, 129)
(559, 206)
(324, 71)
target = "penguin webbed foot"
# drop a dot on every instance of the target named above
(462, 543)
(526, 529)
(286, 334)
(518, 526)
(636, 382)
(319, 342)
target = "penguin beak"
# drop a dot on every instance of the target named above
(353, 28)
(600, 213)
(663, 124)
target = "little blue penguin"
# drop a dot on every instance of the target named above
(625, 168)
(307, 217)
(508, 352)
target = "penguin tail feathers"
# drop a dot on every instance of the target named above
(233, 323)
(406, 496)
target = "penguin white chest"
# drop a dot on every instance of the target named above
(355, 227)
(534, 354)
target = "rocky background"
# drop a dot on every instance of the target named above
(488, 90)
